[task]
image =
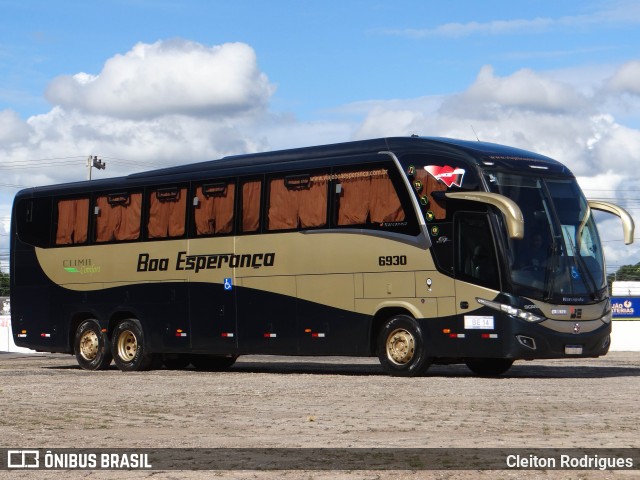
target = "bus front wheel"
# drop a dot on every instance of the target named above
(130, 349)
(401, 347)
(91, 346)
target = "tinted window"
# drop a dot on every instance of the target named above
(251, 194)
(214, 207)
(167, 212)
(33, 219)
(298, 201)
(117, 217)
(72, 223)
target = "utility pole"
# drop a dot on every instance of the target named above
(94, 162)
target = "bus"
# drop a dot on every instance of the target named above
(416, 250)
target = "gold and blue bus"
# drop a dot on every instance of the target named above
(416, 250)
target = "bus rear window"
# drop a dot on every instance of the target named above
(118, 217)
(33, 221)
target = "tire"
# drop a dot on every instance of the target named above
(91, 346)
(129, 347)
(401, 347)
(489, 367)
(213, 363)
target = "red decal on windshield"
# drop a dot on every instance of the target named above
(448, 175)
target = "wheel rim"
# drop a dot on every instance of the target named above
(401, 346)
(89, 345)
(127, 345)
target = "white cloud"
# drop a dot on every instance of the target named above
(612, 13)
(167, 78)
(627, 78)
(12, 129)
(523, 89)
(457, 29)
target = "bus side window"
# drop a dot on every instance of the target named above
(367, 197)
(73, 221)
(214, 208)
(118, 217)
(167, 212)
(298, 201)
(251, 193)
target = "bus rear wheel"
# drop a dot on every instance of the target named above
(401, 347)
(489, 367)
(130, 349)
(91, 346)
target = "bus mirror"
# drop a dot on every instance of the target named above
(628, 226)
(510, 209)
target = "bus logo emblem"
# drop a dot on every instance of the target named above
(448, 175)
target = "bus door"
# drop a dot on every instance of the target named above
(477, 275)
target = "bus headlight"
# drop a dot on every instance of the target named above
(607, 318)
(509, 310)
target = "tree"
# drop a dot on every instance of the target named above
(625, 273)
(4, 284)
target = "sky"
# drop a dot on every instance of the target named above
(151, 83)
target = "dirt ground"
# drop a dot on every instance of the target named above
(47, 401)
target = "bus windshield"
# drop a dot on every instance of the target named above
(560, 256)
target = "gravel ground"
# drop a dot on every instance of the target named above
(47, 401)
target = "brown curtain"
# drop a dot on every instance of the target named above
(368, 198)
(304, 207)
(312, 204)
(251, 205)
(118, 221)
(283, 206)
(167, 215)
(73, 218)
(384, 204)
(214, 213)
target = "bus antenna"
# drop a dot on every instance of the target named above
(474, 132)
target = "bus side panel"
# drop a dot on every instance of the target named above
(276, 323)
(266, 309)
(33, 309)
(212, 313)
(335, 330)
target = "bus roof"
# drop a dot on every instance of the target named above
(473, 152)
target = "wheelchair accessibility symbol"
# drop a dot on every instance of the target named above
(228, 284)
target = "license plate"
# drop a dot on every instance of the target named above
(473, 322)
(573, 349)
